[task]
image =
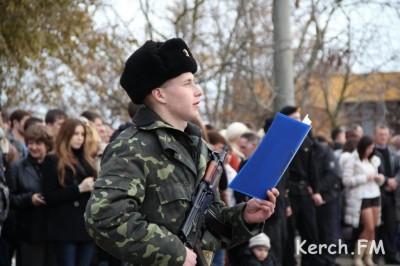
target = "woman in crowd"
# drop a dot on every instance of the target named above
(362, 181)
(348, 232)
(93, 142)
(67, 182)
(24, 181)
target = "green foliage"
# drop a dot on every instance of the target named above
(53, 55)
(31, 28)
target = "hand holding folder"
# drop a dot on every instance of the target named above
(270, 160)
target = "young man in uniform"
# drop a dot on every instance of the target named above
(150, 173)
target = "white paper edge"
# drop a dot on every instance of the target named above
(307, 120)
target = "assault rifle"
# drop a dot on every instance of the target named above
(193, 228)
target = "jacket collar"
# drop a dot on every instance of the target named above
(146, 118)
(173, 139)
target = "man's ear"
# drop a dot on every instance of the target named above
(158, 94)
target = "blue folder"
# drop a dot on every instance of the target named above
(269, 161)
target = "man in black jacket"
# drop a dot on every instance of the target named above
(390, 168)
(328, 214)
(304, 197)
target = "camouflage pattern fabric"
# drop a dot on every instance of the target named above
(147, 180)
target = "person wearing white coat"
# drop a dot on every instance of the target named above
(363, 198)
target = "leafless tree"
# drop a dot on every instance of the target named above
(333, 40)
(233, 45)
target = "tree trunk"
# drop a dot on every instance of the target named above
(283, 55)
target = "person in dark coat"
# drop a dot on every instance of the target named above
(390, 168)
(304, 196)
(28, 206)
(330, 185)
(67, 181)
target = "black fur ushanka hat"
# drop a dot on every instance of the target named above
(288, 110)
(153, 64)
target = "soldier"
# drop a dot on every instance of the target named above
(150, 172)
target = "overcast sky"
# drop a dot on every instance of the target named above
(386, 24)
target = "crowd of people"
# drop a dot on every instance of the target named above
(50, 165)
(349, 182)
(341, 189)
(70, 192)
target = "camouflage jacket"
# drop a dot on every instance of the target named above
(147, 179)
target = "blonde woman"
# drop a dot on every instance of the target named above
(94, 143)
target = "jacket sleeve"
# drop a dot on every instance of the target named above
(241, 232)
(350, 177)
(330, 172)
(18, 199)
(113, 217)
(313, 178)
(397, 169)
(376, 162)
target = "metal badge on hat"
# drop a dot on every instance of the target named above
(186, 52)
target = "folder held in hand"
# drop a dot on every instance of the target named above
(269, 161)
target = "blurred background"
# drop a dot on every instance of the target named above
(338, 60)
